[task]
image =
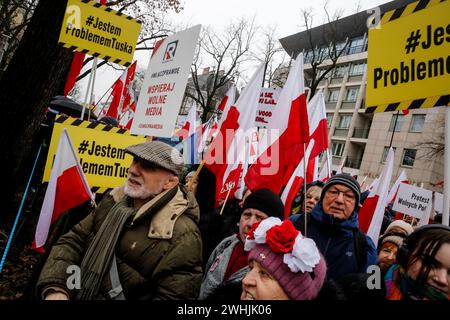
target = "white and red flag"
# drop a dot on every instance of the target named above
(295, 182)
(120, 92)
(371, 214)
(117, 91)
(227, 101)
(318, 132)
(189, 124)
(402, 178)
(318, 128)
(227, 151)
(127, 95)
(281, 149)
(67, 188)
(325, 171)
(209, 131)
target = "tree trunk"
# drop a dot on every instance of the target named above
(36, 73)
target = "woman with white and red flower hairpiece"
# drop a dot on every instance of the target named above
(284, 265)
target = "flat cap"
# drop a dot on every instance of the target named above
(159, 154)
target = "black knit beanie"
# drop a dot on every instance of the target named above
(346, 180)
(265, 201)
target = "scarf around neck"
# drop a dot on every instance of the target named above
(399, 285)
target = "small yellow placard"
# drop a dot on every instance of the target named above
(100, 31)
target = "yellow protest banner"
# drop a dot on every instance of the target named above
(99, 148)
(99, 31)
(408, 58)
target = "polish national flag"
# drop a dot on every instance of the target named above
(371, 214)
(402, 178)
(287, 130)
(117, 91)
(295, 182)
(75, 68)
(67, 188)
(225, 155)
(189, 124)
(209, 131)
(312, 170)
(127, 91)
(318, 129)
(227, 100)
(325, 172)
(121, 94)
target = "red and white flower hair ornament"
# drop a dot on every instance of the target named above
(259, 235)
(304, 255)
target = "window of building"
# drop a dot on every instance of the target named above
(334, 95)
(417, 123)
(399, 124)
(337, 149)
(340, 71)
(344, 122)
(356, 45)
(409, 155)
(385, 154)
(329, 119)
(352, 94)
(357, 69)
(340, 46)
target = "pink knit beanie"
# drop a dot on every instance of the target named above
(297, 285)
(292, 260)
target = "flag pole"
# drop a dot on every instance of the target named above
(86, 97)
(107, 100)
(11, 235)
(91, 97)
(240, 191)
(195, 174)
(328, 163)
(304, 187)
(225, 202)
(445, 213)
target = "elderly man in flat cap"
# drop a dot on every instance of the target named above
(141, 242)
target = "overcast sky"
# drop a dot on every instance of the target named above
(284, 14)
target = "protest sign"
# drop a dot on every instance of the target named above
(413, 201)
(164, 85)
(100, 150)
(267, 102)
(98, 30)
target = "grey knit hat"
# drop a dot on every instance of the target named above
(159, 154)
(346, 180)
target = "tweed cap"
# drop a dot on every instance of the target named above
(159, 154)
(346, 180)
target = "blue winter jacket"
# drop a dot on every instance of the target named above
(334, 238)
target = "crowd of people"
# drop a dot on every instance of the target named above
(160, 236)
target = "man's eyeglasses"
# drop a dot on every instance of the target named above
(348, 195)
